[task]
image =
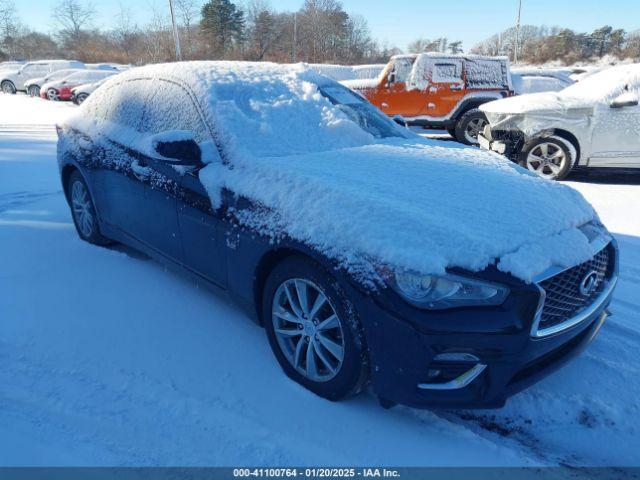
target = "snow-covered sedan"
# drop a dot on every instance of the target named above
(593, 124)
(32, 86)
(60, 90)
(80, 93)
(339, 231)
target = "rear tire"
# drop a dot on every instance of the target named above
(469, 125)
(8, 87)
(83, 211)
(34, 91)
(326, 357)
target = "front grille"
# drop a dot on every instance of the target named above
(564, 299)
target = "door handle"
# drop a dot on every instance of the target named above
(384, 105)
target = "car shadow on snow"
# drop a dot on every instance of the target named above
(606, 178)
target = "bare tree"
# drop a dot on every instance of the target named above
(74, 19)
(188, 12)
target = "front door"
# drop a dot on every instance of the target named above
(396, 96)
(616, 136)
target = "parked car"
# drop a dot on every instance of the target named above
(594, 124)
(80, 93)
(436, 90)
(32, 86)
(536, 80)
(12, 81)
(60, 90)
(11, 65)
(339, 231)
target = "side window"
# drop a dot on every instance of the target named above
(126, 103)
(401, 69)
(171, 108)
(446, 73)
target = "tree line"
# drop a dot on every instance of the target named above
(320, 32)
(539, 45)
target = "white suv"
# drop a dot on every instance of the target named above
(594, 123)
(14, 80)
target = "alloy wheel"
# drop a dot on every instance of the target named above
(474, 128)
(82, 208)
(7, 87)
(52, 94)
(547, 160)
(308, 330)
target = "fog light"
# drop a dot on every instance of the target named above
(456, 357)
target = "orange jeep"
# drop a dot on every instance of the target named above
(437, 90)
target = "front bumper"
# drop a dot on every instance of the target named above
(484, 354)
(505, 142)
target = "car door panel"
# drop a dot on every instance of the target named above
(616, 137)
(201, 231)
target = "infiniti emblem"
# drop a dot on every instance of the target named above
(589, 283)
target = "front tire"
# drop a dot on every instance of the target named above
(8, 87)
(469, 126)
(80, 98)
(83, 211)
(549, 157)
(52, 94)
(313, 330)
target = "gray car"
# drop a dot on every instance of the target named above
(594, 124)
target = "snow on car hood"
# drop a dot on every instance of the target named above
(411, 204)
(532, 103)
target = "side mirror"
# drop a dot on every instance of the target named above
(177, 147)
(400, 120)
(627, 99)
(391, 78)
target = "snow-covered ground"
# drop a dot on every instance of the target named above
(107, 358)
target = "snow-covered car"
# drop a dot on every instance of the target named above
(60, 90)
(536, 80)
(593, 124)
(438, 90)
(13, 80)
(339, 231)
(32, 86)
(80, 93)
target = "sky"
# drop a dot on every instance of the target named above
(401, 21)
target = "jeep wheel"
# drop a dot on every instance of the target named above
(469, 126)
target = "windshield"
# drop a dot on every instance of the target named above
(605, 85)
(360, 111)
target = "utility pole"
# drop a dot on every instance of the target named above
(176, 38)
(295, 36)
(515, 49)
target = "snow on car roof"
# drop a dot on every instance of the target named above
(404, 201)
(606, 85)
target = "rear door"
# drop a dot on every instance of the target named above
(119, 188)
(446, 87)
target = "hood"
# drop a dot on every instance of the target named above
(532, 103)
(419, 205)
(361, 84)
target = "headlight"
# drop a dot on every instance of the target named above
(438, 292)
